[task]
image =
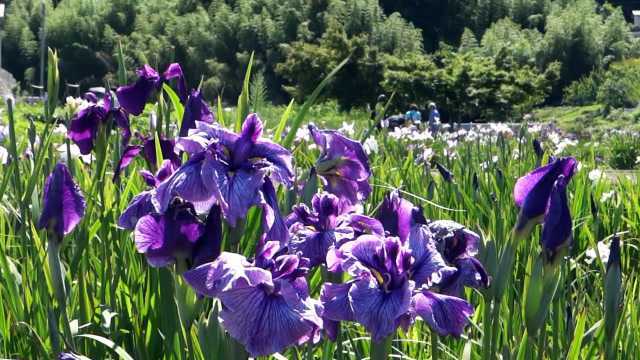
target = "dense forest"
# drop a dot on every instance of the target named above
(478, 58)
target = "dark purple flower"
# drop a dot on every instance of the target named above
(398, 215)
(532, 191)
(64, 204)
(537, 148)
(208, 247)
(134, 97)
(170, 237)
(229, 168)
(557, 227)
(314, 232)
(265, 304)
(195, 110)
(454, 240)
(343, 165)
(89, 120)
(447, 175)
(446, 315)
(458, 246)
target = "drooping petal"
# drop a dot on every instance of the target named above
(139, 206)
(362, 224)
(312, 245)
(238, 192)
(264, 323)
(134, 97)
(343, 165)
(379, 311)
(335, 300)
(281, 169)
(557, 227)
(469, 273)
(196, 109)
(273, 221)
(63, 203)
(174, 71)
(447, 315)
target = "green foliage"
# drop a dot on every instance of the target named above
(617, 87)
(624, 151)
(468, 86)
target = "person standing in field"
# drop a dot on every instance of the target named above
(413, 116)
(434, 117)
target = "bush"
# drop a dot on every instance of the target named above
(584, 91)
(624, 151)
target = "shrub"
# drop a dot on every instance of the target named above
(624, 151)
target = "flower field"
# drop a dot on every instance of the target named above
(148, 224)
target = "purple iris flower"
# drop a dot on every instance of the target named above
(456, 246)
(195, 110)
(170, 237)
(343, 165)
(383, 296)
(64, 204)
(134, 97)
(313, 232)
(557, 226)
(227, 168)
(265, 303)
(532, 191)
(87, 122)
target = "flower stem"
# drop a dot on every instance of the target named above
(381, 350)
(57, 279)
(435, 352)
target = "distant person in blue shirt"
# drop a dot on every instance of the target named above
(413, 116)
(434, 117)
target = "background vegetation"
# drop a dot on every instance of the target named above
(487, 60)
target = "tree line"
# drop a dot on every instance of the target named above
(481, 58)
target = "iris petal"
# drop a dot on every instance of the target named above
(64, 204)
(447, 315)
